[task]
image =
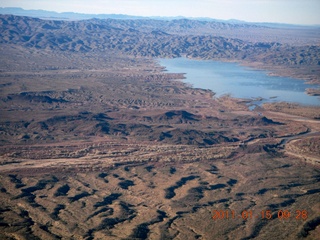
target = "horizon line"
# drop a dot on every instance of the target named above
(168, 17)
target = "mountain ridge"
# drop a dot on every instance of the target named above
(169, 39)
(81, 16)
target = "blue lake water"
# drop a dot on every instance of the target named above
(240, 82)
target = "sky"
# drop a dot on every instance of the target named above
(281, 11)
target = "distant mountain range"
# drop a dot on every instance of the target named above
(152, 38)
(82, 16)
(62, 16)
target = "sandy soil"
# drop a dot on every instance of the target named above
(112, 147)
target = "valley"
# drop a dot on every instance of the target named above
(98, 141)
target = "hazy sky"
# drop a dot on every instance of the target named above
(284, 11)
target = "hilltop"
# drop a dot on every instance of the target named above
(98, 141)
(158, 38)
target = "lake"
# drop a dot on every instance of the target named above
(239, 81)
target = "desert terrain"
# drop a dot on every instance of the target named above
(98, 141)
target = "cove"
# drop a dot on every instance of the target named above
(240, 82)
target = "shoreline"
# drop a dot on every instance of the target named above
(298, 72)
(252, 67)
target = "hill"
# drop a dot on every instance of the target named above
(157, 38)
(99, 142)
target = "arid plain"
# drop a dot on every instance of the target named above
(99, 142)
